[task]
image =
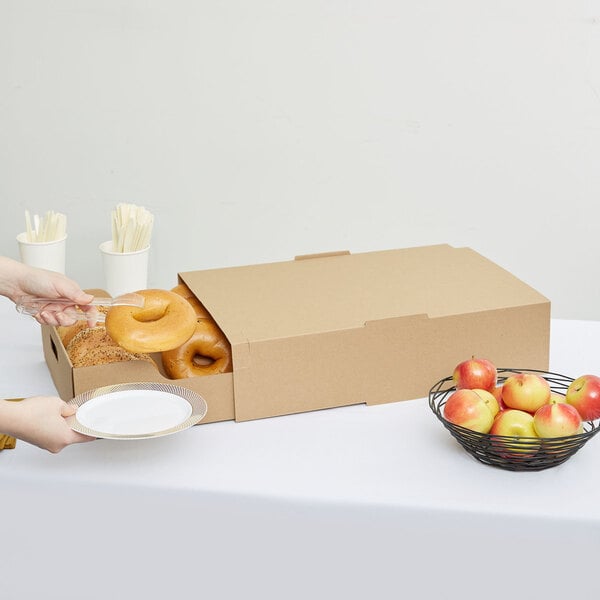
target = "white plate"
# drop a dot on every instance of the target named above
(132, 411)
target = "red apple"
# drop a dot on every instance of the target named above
(556, 397)
(556, 420)
(517, 424)
(584, 395)
(475, 374)
(497, 393)
(473, 409)
(526, 391)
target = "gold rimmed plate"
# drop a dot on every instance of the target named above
(133, 411)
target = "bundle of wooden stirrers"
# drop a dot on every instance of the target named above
(51, 227)
(131, 228)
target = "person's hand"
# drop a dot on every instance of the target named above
(40, 420)
(18, 279)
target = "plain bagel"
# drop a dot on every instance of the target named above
(183, 290)
(207, 352)
(166, 321)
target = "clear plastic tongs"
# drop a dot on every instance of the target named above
(29, 305)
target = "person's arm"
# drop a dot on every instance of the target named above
(40, 420)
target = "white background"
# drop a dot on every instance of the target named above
(256, 131)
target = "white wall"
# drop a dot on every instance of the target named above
(258, 130)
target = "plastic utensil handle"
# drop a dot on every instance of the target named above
(32, 306)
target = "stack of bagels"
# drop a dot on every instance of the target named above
(205, 352)
(172, 325)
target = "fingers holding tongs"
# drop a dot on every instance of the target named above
(62, 311)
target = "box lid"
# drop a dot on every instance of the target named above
(340, 291)
(296, 328)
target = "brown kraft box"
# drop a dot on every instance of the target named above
(336, 329)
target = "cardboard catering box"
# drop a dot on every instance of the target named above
(336, 329)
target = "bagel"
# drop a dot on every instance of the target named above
(86, 340)
(67, 332)
(93, 346)
(109, 354)
(207, 352)
(184, 291)
(166, 321)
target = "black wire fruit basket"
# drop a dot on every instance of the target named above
(511, 453)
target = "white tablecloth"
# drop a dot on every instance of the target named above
(357, 502)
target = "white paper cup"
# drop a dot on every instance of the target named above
(43, 255)
(124, 271)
